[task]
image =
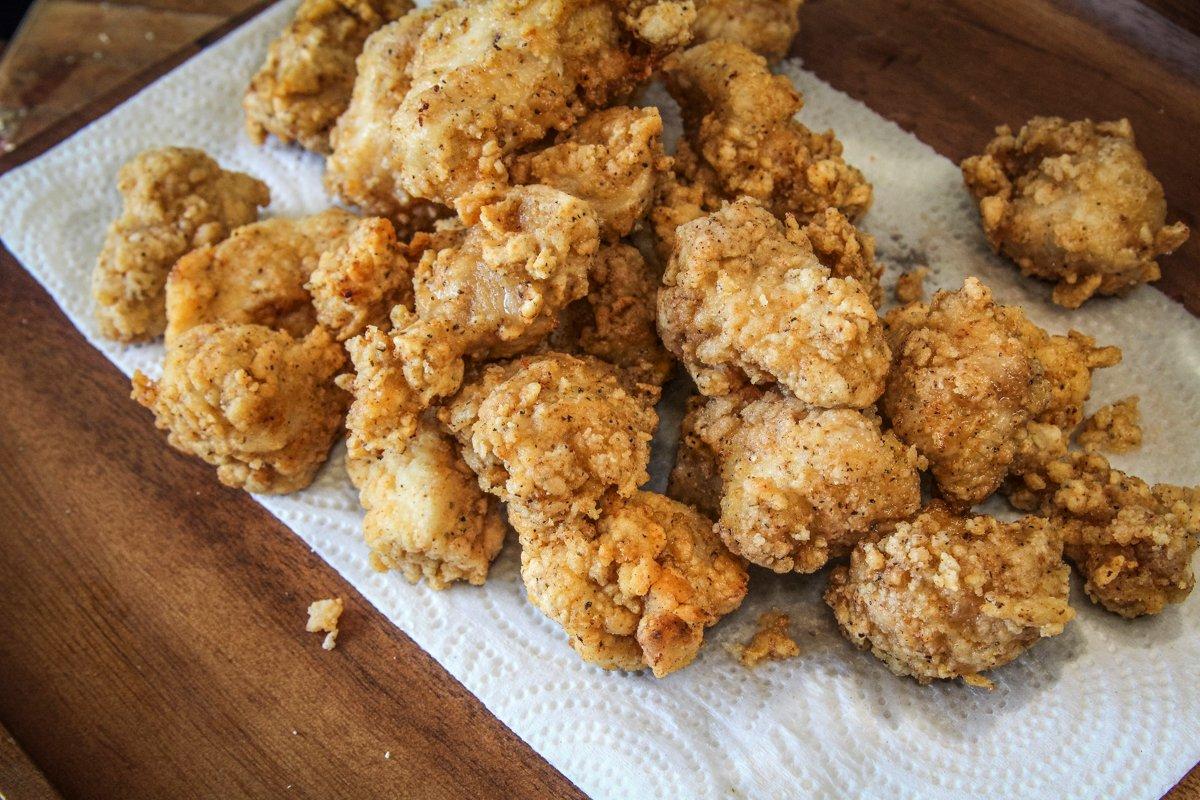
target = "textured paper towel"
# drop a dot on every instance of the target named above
(1110, 708)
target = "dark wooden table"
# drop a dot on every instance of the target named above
(153, 639)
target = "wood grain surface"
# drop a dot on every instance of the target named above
(154, 642)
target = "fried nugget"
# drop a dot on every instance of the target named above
(803, 485)
(256, 276)
(175, 200)
(946, 596)
(1073, 203)
(256, 403)
(745, 299)
(637, 586)
(306, 81)
(426, 516)
(766, 27)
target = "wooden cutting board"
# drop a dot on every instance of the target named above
(153, 641)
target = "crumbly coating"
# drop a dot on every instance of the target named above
(696, 477)
(945, 596)
(612, 158)
(256, 276)
(1132, 542)
(254, 402)
(803, 485)
(495, 289)
(306, 81)
(552, 434)
(662, 24)
(746, 299)
(426, 516)
(766, 27)
(323, 616)
(742, 139)
(1067, 366)
(176, 199)
(360, 169)
(910, 286)
(492, 77)
(1073, 203)
(962, 386)
(1116, 428)
(615, 321)
(358, 282)
(770, 641)
(636, 587)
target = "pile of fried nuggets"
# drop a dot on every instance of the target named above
(494, 344)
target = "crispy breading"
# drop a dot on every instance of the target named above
(946, 596)
(636, 587)
(175, 200)
(746, 299)
(492, 77)
(360, 169)
(256, 276)
(426, 516)
(254, 402)
(359, 282)
(803, 485)
(910, 286)
(306, 81)
(1074, 203)
(1067, 365)
(766, 27)
(963, 384)
(615, 321)
(612, 158)
(494, 288)
(770, 641)
(551, 434)
(323, 616)
(1115, 427)
(1132, 542)
(696, 477)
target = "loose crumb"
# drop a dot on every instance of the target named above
(770, 642)
(323, 616)
(1115, 428)
(910, 286)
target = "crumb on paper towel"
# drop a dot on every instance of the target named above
(770, 642)
(323, 616)
(1116, 428)
(910, 286)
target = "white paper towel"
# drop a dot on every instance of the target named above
(1109, 709)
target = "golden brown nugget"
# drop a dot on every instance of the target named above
(636, 587)
(306, 81)
(766, 27)
(946, 596)
(1073, 203)
(176, 199)
(256, 403)
(256, 276)
(426, 516)
(745, 299)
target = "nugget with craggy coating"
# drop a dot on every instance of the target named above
(612, 158)
(1115, 427)
(636, 587)
(696, 476)
(551, 434)
(740, 138)
(494, 288)
(256, 403)
(358, 282)
(1073, 203)
(1132, 542)
(490, 78)
(176, 199)
(306, 81)
(256, 276)
(745, 299)
(426, 516)
(1067, 365)
(803, 485)
(945, 596)
(766, 27)
(615, 321)
(962, 385)
(360, 169)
